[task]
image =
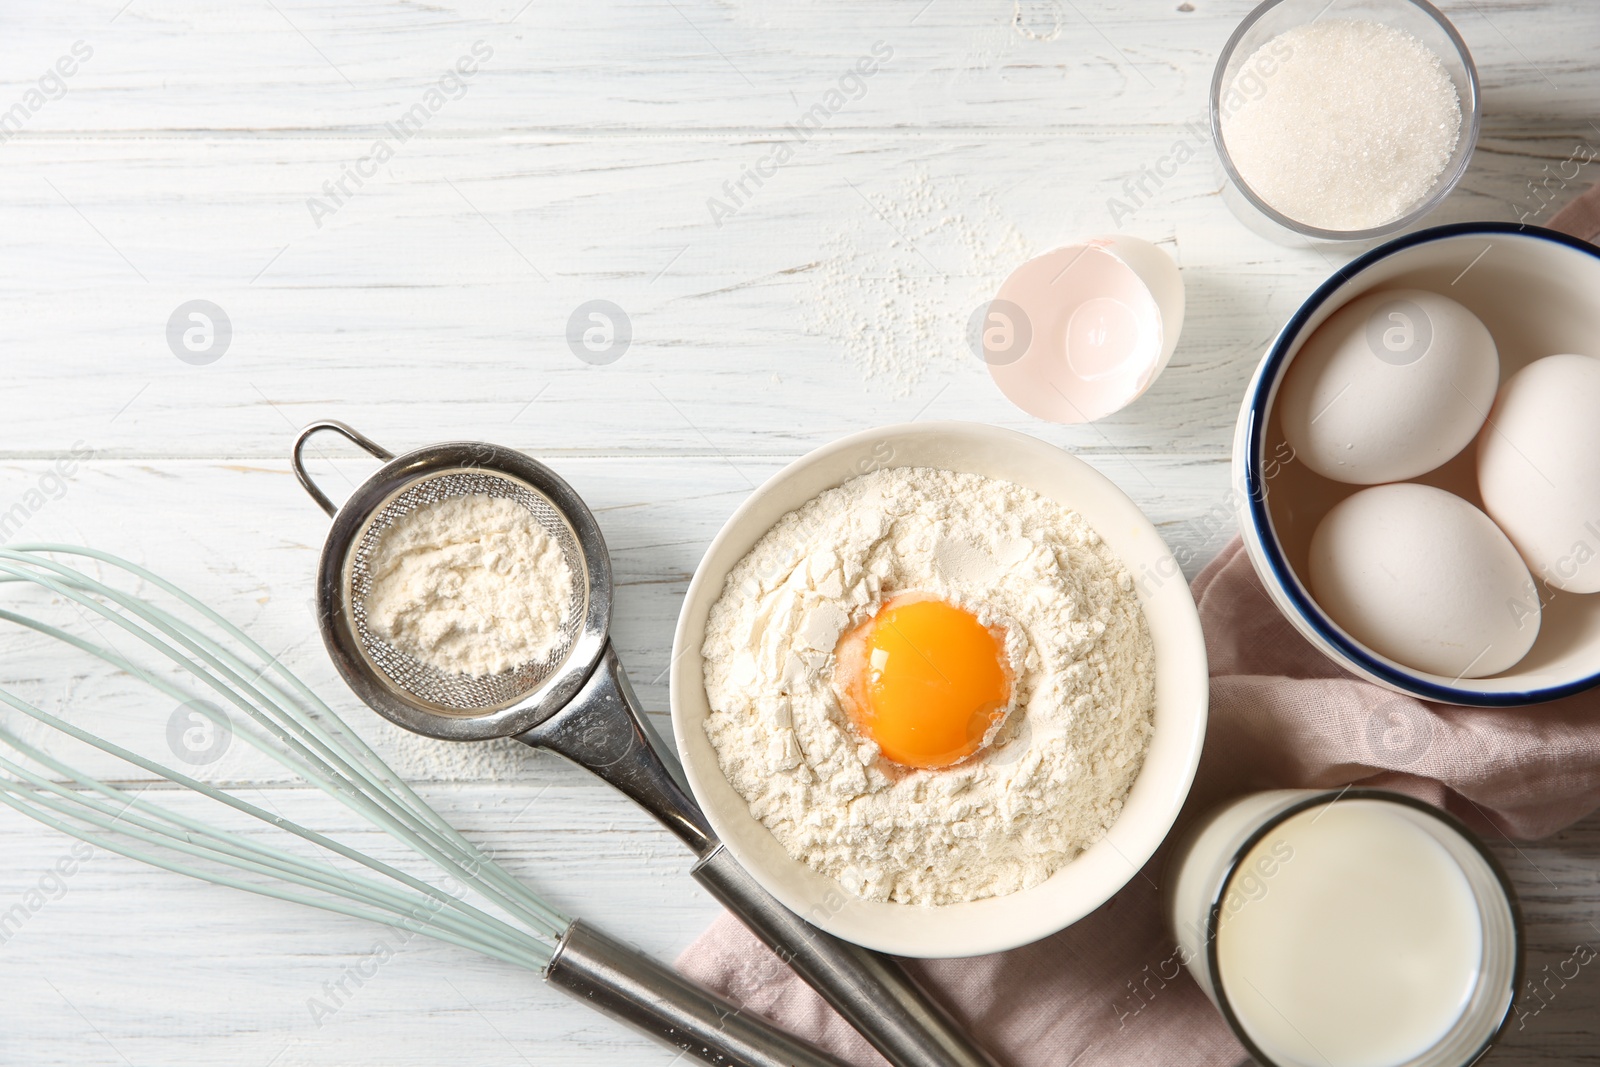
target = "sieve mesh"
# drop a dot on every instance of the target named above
(457, 693)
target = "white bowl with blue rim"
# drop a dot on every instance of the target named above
(1538, 292)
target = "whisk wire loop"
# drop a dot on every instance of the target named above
(289, 731)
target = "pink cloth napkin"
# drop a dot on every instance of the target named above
(1109, 988)
(1581, 217)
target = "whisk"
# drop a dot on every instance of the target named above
(277, 714)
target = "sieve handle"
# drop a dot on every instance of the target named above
(660, 1003)
(604, 731)
(349, 433)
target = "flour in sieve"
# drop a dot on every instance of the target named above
(1050, 784)
(470, 584)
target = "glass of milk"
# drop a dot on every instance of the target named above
(1356, 928)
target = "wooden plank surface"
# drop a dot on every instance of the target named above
(196, 152)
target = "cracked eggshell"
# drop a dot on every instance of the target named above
(1424, 578)
(1391, 386)
(1539, 468)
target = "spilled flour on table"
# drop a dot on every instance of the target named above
(423, 759)
(897, 286)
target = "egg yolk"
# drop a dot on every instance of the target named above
(925, 680)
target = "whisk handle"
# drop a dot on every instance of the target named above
(660, 1003)
(873, 992)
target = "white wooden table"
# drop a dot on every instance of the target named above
(428, 298)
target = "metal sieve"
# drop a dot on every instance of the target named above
(579, 704)
(417, 695)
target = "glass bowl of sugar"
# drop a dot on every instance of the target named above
(1345, 121)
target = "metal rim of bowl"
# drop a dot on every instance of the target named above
(1446, 183)
(1266, 535)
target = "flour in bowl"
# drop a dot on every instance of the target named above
(1055, 758)
(470, 584)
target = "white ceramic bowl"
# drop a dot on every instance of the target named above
(998, 923)
(1538, 292)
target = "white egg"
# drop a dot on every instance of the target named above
(1392, 385)
(1539, 468)
(1423, 577)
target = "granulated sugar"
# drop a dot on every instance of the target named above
(897, 287)
(1342, 124)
